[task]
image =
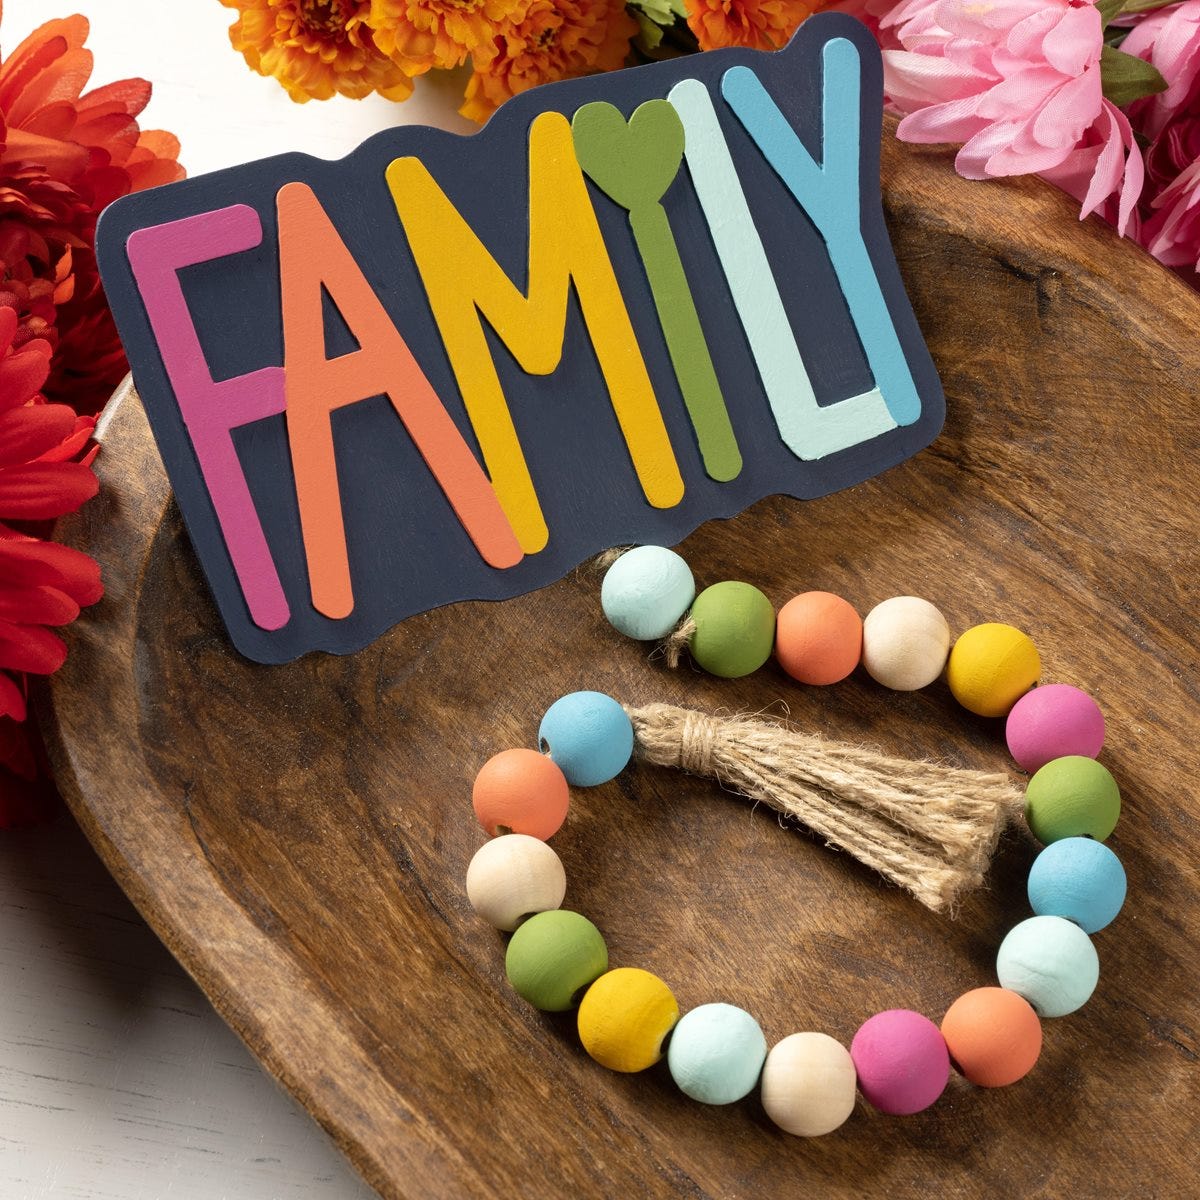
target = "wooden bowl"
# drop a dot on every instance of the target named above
(298, 835)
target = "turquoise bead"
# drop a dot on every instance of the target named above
(1079, 879)
(717, 1053)
(646, 591)
(588, 736)
(1051, 962)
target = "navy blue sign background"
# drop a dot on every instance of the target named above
(407, 550)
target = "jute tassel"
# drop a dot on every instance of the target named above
(930, 829)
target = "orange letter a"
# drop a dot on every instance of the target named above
(312, 254)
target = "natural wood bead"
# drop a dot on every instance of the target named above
(512, 877)
(906, 641)
(808, 1084)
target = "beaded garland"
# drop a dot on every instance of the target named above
(899, 1060)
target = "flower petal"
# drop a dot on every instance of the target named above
(29, 432)
(36, 606)
(23, 372)
(12, 699)
(40, 491)
(30, 562)
(30, 648)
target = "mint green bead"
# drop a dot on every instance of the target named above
(717, 1053)
(1051, 962)
(1072, 796)
(735, 629)
(552, 958)
(646, 591)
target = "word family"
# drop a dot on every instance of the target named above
(447, 369)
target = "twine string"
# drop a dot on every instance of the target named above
(931, 829)
(677, 641)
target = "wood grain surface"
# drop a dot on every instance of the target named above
(298, 835)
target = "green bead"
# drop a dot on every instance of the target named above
(735, 629)
(1072, 797)
(552, 958)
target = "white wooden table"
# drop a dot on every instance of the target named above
(117, 1079)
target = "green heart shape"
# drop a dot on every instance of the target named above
(633, 162)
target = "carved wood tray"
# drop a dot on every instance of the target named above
(298, 835)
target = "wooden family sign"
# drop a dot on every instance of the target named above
(445, 368)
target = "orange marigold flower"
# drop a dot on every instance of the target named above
(420, 34)
(316, 48)
(757, 24)
(555, 39)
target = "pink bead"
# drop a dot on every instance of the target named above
(1054, 721)
(902, 1061)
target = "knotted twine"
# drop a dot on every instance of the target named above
(930, 829)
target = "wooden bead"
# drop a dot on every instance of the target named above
(902, 1062)
(1053, 721)
(735, 629)
(818, 638)
(521, 791)
(1051, 962)
(1080, 879)
(905, 643)
(716, 1053)
(589, 736)
(646, 592)
(513, 877)
(624, 1018)
(991, 667)
(1072, 797)
(553, 956)
(993, 1035)
(808, 1084)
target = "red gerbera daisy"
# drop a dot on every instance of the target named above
(42, 585)
(64, 155)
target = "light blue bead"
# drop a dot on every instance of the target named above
(1079, 879)
(1051, 962)
(646, 591)
(717, 1053)
(588, 736)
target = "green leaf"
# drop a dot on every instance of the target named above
(1125, 78)
(1108, 9)
(650, 34)
(661, 12)
(1141, 6)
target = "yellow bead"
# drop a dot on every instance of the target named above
(991, 667)
(624, 1018)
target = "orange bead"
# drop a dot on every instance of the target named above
(818, 637)
(993, 1035)
(521, 791)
